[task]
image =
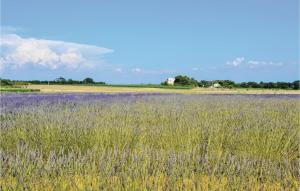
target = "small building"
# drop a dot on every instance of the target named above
(170, 81)
(216, 85)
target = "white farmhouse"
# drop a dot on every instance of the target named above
(216, 85)
(170, 81)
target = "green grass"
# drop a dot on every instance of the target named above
(17, 89)
(162, 143)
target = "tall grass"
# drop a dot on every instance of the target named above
(154, 143)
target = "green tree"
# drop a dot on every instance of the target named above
(70, 81)
(185, 81)
(296, 85)
(4, 82)
(88, 81)
(61, 80)
(227, 83)
(205, 83)
(282, 85)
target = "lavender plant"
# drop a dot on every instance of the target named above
(149, 142)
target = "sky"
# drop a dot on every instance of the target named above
(139, 41)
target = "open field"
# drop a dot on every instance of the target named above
(106, 89)
(149, 142)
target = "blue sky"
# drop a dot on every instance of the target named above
(139, 41)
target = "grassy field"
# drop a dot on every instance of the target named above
(17, 89)
(182, 142)
(108, 89)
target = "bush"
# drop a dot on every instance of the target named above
(4, 82)
(88, 81)
(185, 81)
(296, 85)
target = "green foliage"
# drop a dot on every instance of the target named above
(270, 85)
(185, 81)
(204, 83)
(100, 83)
(249, 85)
(14, 86)
(181, 82)
(88, 81)
(226, 83)
(296, 85)
(20, 84)
(164, 83)
(14, 89)
(61, 80)
(159, 143)
(5, 82)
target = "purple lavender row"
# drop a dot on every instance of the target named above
(14, 101)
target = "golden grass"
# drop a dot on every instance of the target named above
(159, 183)
(106, 89)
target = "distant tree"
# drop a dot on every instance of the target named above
(185, 81)
(296, 85)
(250, 85)
(61, 80)
(165, 83)
(34, 82)
(70, 81)
(253, 85)
(4, 82)
(100, 83)
(21, 83)
(271, 85)
(194, 82)
(263, 85)
(227, 83)
(204, 83)
(88, 81)
(243, 85)
(282, 85)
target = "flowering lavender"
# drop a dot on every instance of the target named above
(149, 141)
(14, 101)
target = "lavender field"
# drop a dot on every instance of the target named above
(149, 142)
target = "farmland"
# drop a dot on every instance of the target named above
(125, 141)
(139, 89)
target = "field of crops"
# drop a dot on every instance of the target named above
(93, 141)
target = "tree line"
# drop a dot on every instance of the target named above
(180, 80)
(60, 80)
(187, 81)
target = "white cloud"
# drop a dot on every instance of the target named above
(195, 69)
(236, 62)
(17, 52)
(241, 61)
(253, 62)
(136, 70)
(258, 64)
(118, 69)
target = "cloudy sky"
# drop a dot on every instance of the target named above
(138, 41)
